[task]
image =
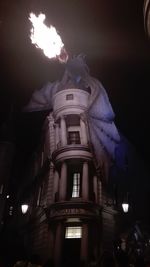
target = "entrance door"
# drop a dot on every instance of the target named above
(71, 252)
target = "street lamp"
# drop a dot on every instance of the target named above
(24, 208)
(125, 207)
(125, 204)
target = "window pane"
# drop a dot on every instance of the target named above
(73, 232)
(74, 138)
(76, 185)
(69, 97)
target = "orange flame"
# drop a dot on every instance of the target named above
(47, 38)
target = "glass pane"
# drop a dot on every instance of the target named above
(69, 97)
(73, 232)
(74, 138)
(76, 185)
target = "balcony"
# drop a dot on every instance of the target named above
(72, 151)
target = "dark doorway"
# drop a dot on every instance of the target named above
(71, 252)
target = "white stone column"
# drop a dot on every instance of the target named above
(63, 131)
(85, 181)
(84, 244)
(84, 139)
(58, 245)
(63, 182)
(95, 188)
(57, 135)
(56, 184)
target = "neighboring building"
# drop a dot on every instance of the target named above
(7, 153)
(6, 158)
(146, 10)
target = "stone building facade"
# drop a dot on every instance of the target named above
(69, 221)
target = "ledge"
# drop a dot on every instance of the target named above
(72, 151)
(73, 209)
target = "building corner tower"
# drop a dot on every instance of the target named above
(70, 223)
(74, 211)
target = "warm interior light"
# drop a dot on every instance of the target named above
(24, 208)
(73, 232)
(125, 207)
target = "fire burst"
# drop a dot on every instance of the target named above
(47, 38)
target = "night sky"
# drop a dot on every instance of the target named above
(110, 34)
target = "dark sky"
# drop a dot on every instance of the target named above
(110, 33)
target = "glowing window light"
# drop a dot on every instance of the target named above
(73, 232)
(76, 185)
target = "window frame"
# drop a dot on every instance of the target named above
(69, 97)
(74, 138)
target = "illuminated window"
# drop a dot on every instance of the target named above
(69, 97)
(73, 232)
(76, 185)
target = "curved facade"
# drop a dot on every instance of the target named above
(76, 222)
(75, 211)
